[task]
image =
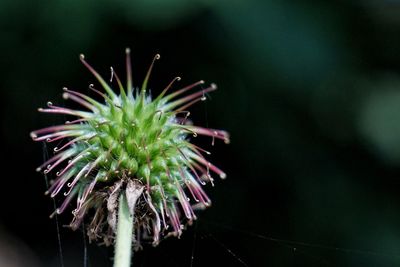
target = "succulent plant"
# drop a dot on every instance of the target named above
(130, 144)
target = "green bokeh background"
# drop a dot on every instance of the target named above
(309, 90)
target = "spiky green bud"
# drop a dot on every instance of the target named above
(135, 145)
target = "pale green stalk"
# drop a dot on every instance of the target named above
(123, 244)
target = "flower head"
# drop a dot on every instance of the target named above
(130, 144)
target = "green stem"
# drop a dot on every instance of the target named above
(123, 244)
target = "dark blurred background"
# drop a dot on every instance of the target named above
(309, 90)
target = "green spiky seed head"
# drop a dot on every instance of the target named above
(130, 144)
